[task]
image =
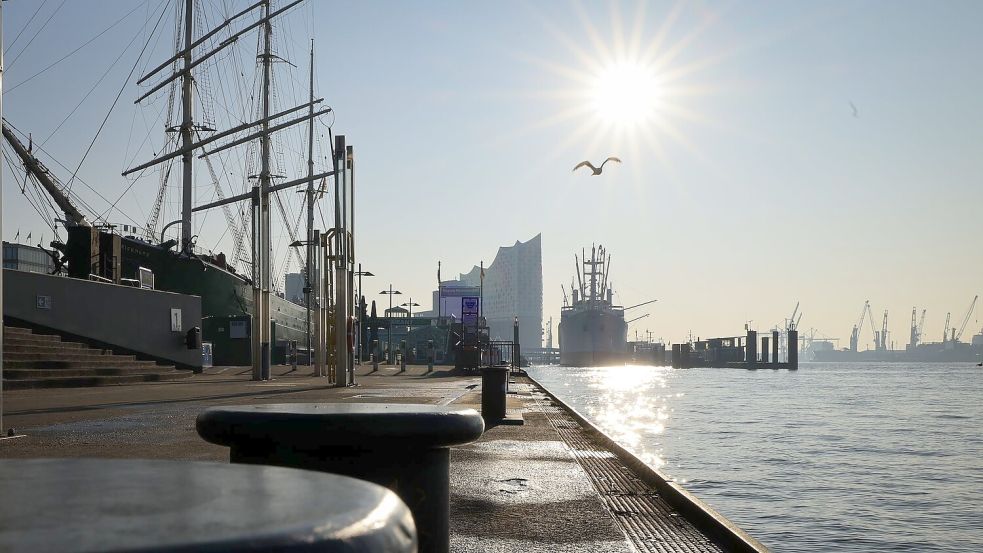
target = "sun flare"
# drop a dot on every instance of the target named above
(626, 94)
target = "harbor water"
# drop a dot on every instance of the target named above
(832, 457)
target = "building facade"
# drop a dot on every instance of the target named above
(512, 287)
(293, 284)
(22, 257)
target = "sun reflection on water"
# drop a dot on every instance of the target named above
(633, 405)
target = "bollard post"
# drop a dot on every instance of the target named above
(430, 351)
(375, 362)
(494, 386)
(402, 356)
(359, 440)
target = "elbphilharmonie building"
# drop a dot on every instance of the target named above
(513, 287)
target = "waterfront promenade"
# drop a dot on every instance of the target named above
(540, 486)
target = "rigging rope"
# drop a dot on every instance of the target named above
(73, 52)
(105, 119)
(36, 33)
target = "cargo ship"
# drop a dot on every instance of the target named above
(592, 330)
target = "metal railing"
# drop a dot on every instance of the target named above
(499, 353)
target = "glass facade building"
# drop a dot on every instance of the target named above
(513, 287)
(22, 257)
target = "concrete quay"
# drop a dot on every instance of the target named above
(550, 484)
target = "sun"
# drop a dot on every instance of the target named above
(626, 94)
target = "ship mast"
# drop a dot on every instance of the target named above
(261, 243)
(186, 130)
(308, 277)
(259, 196)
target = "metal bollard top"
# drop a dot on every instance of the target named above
(154, 505)
(366, 426)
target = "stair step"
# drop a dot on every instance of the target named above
(86, 381)
(28, 374)
(41, 343)
(65, 356)
(55, 347)
(37, 338)
(45, 361)
(82, 363)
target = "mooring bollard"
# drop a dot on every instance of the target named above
(494, 385)
(401, 446)
(155, 505)
(430, 353)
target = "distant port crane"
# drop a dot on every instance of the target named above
(855, 333)
(969, 313)
(917, 328)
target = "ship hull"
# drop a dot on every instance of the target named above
(593, 337)
(951, 353)
(222, 292)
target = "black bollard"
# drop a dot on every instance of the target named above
(494, 381)
(403, 447)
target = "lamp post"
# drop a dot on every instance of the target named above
(312, 294)
(410, 305)
(389, 324)
(358, 299)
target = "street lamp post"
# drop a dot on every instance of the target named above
(313, 291)
(410, 305)
(358, 299)
(389, 323)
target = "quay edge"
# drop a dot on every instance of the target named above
(703, 516)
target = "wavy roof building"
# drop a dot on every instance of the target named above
(513, 287)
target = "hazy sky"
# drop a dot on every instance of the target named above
(748, 181)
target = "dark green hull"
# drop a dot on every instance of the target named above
(223, 293)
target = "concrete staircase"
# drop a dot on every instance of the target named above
(44, 361)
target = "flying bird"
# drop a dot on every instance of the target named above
(596, 170)
(855, 112)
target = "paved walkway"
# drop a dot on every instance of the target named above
(536, 487)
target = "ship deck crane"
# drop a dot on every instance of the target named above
(855, 333)
(921, 325)
(870, 321)
(969, 313)
(913, 337)
(945, 331)
(881, 342)
(791, 323)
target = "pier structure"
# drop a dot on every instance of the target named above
(502, 497)
(738, 352)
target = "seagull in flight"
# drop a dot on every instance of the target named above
(855, 112)
(596, 170)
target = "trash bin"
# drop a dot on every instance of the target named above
(494, 381)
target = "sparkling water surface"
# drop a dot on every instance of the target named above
(832, 457)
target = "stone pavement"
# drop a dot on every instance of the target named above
(519, 488)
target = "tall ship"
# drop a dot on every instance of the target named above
(95, 249)
(592, 330)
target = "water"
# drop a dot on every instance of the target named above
(834, 456)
